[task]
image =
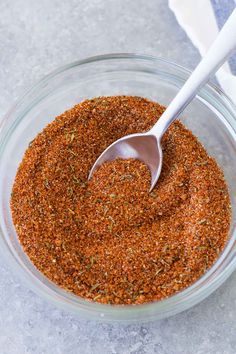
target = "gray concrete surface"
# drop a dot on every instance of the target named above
(36, 37)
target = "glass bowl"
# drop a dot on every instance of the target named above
(211, 117)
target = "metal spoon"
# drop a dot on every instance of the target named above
(147, 146)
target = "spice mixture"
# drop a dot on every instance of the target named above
(109, 239)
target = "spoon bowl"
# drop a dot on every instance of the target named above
(144, 147)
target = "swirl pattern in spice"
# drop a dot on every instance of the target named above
(109, 239)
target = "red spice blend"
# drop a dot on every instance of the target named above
(109, 239)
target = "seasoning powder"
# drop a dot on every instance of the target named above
(109, 239)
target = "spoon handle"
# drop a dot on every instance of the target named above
(215, 57)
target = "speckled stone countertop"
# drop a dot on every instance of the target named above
(35, 38)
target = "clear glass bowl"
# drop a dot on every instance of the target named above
(211, 117)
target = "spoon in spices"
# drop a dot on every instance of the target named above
(147, 146)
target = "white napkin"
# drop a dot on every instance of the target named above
(201, 20)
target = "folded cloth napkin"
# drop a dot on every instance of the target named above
(202, 20)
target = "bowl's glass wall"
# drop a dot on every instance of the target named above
(210, 116)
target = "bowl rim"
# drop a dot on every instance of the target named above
(144, 312)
